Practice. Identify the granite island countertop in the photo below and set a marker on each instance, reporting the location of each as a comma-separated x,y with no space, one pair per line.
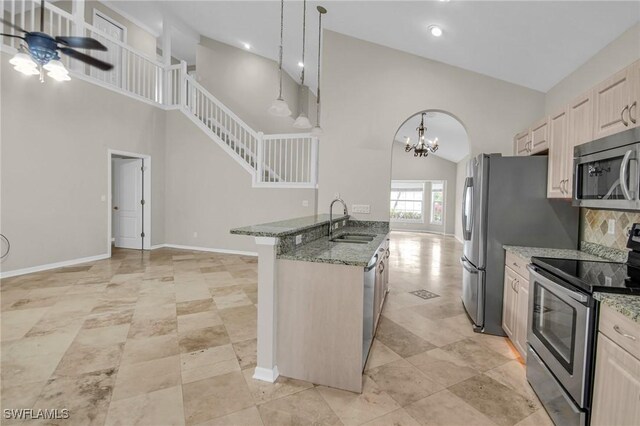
627,304
283,228
529,252
324,251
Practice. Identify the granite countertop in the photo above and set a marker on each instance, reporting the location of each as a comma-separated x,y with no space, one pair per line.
324,251
286,227
627,304
529,252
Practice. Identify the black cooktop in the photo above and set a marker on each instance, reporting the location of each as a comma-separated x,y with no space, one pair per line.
611,277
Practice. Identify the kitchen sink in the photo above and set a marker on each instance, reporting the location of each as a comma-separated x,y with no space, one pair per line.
353,238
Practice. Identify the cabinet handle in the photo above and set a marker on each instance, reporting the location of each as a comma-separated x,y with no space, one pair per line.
625,122
388,254
622,333
561,186
633,105
517,289
381,267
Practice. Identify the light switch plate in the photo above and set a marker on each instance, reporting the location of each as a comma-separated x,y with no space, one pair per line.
305,203
612,227
361,208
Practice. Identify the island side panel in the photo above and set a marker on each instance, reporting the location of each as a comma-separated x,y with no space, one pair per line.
319,314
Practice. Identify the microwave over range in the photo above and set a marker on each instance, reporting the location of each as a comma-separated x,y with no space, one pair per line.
606,172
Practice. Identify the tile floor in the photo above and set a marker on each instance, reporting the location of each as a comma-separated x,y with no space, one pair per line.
168,338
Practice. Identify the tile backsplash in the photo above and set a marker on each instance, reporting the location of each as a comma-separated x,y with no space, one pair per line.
594,227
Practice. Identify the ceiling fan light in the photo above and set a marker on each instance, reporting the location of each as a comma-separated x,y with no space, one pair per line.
26,70
59,76
302,122
55,66
279,108
317,131
22,60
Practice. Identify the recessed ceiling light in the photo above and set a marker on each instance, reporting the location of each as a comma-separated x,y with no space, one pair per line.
444,1
436,31
300,64
246,46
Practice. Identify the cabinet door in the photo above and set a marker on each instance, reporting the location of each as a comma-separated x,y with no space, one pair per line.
558,163
378,298
611,104
540,136
387,262
509,301
616,394
521,141
580,130
634,107
522,316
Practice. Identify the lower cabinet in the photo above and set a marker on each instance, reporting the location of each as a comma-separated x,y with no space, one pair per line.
616,393
515,307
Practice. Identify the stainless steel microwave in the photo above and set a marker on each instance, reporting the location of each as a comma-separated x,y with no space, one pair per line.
606,172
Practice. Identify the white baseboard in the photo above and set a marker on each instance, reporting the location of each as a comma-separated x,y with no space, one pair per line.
207,249
39,268
266,374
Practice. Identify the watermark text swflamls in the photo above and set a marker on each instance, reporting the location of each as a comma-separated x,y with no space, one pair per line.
36,413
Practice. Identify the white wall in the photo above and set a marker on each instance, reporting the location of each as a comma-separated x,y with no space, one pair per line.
612,58
407,167
208,193
247,84
368,91
55,138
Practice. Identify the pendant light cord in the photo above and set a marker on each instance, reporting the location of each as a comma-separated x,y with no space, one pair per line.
304,33
281,38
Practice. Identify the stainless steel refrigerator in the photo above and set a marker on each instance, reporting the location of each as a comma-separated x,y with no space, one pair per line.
505,201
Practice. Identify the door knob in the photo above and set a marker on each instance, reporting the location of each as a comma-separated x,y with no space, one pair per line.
115,208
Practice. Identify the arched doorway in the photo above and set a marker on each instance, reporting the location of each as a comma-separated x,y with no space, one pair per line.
423,189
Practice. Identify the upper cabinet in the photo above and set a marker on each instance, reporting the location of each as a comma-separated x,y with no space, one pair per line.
559,156
612,104
522,143
539,136
634,108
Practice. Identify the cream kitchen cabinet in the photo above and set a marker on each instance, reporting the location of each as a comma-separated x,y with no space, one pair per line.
522,143
579,131
634,107
515,302
560,159
539,136
616,394
614,104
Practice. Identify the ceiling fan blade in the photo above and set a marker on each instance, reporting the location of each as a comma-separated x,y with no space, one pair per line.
14,26
81,42
12,35
104,66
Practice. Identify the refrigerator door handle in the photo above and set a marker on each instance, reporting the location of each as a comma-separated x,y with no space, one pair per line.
469,269
468,183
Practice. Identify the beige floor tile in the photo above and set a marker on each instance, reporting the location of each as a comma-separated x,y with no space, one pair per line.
475,355
195,306
400,340
355,409
210,362
147,376
379,355
81,359
247,417
403,382
215,397
161,407
496,401
446,409
539,418
20,396
443,367
396,418
109,318
103,336
240,322
147,349
198,320
195,340
15,324
265,391
31,369
431,331
501,345
306,407
246,353
513,375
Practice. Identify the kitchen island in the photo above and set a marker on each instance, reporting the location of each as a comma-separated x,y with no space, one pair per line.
319,297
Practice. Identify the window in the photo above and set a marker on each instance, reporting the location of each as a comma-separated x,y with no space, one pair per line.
407,202
437,202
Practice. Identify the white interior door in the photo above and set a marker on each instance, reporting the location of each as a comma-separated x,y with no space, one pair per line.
114,52
127,205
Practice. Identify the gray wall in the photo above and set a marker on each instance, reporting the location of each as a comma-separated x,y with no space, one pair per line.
55,138
612,58
368,92
406,167
247,84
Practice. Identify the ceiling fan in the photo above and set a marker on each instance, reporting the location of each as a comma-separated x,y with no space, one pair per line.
43,51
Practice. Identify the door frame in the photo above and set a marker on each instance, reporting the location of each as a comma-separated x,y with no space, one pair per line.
146,188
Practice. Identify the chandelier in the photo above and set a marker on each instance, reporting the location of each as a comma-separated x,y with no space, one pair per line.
423,147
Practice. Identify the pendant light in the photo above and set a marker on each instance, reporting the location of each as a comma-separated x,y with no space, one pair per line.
317,131
279,107
302,122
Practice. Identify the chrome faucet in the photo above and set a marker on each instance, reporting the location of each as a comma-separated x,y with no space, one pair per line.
331,214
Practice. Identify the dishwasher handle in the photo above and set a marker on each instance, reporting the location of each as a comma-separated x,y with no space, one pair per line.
372,263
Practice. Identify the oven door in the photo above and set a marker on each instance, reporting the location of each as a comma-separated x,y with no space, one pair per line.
559,326
608,179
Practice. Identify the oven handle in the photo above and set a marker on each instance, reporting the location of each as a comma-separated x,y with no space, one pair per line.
582,298
623,175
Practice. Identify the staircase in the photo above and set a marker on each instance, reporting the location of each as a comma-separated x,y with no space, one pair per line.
274,161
